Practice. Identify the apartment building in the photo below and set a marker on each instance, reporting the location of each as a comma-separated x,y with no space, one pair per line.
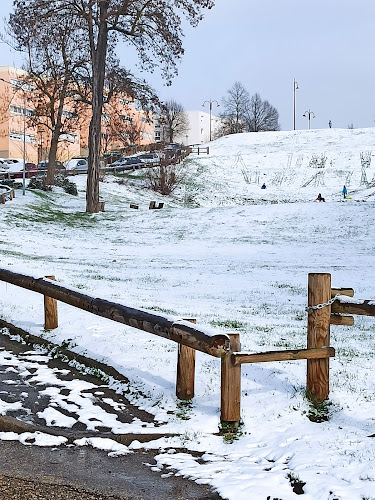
200,124
123,122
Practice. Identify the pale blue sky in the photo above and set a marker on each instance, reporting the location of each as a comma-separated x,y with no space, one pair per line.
327,45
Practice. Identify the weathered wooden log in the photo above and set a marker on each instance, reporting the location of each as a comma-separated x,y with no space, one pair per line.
231,383
361,307
50,311
290,354
337,319
179,331
318,334
185,371
349,292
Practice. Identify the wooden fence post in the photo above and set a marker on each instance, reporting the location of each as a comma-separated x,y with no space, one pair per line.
50,311
318,334
185,370
231,383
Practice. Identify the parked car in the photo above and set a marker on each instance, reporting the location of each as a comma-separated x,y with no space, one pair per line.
43,165
14,170
128,163
150,158
76,165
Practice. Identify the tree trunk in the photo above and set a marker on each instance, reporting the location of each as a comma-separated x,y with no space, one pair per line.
50,179
98,57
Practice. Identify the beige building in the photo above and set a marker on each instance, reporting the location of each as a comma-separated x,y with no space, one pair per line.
17,136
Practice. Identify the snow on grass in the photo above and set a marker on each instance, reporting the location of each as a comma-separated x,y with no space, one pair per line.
236,258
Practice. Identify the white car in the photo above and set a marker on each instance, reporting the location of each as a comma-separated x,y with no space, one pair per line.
11,165
77,165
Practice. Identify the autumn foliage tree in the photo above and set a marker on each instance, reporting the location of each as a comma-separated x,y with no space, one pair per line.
153,28
51,63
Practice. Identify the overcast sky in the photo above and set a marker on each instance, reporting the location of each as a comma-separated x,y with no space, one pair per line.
326,45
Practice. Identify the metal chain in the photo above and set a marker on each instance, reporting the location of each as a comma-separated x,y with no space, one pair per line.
320,306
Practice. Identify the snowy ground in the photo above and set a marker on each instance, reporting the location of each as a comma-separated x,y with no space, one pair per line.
236,258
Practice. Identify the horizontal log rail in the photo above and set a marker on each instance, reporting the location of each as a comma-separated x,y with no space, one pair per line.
352,306
349,292
290,354
179,331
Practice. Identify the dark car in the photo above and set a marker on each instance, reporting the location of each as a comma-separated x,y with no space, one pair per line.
129,163
43,165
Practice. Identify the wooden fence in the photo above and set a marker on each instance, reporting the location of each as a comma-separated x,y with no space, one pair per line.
8,193
200,150
326,306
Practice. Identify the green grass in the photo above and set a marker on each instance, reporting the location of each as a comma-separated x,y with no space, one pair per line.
46,213
228,324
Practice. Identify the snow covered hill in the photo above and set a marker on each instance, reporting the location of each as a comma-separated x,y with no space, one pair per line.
294,165
236,258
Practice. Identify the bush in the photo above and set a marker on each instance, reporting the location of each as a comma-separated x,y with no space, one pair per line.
69,187
165,179
38,183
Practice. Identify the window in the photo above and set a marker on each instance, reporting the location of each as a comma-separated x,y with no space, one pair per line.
69,114
126,118
69,138
126,101
19,84
18,136
18,110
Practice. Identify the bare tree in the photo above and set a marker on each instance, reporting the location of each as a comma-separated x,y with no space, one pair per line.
122,129
51,62
235,104
261,116
166,178
153,28
173,119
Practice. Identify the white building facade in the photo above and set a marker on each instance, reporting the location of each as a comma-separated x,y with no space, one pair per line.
199,129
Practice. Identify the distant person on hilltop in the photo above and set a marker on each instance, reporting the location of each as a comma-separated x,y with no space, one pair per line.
263,186
330,124
320,198
344,191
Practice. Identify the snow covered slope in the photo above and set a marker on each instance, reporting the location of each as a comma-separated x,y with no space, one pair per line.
294,165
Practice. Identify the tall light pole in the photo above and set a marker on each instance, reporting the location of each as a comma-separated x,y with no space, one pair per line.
309,114
217,105
295,87
24,134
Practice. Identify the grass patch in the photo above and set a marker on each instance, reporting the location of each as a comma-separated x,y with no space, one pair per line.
46,213
320,411
228,324
231,431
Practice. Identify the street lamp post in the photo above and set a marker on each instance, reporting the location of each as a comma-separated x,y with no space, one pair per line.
309,114
295,87
24,135
211,101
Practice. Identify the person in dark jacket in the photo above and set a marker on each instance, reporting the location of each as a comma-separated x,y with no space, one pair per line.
320,198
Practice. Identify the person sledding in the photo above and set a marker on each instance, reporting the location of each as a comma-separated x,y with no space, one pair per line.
320,198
